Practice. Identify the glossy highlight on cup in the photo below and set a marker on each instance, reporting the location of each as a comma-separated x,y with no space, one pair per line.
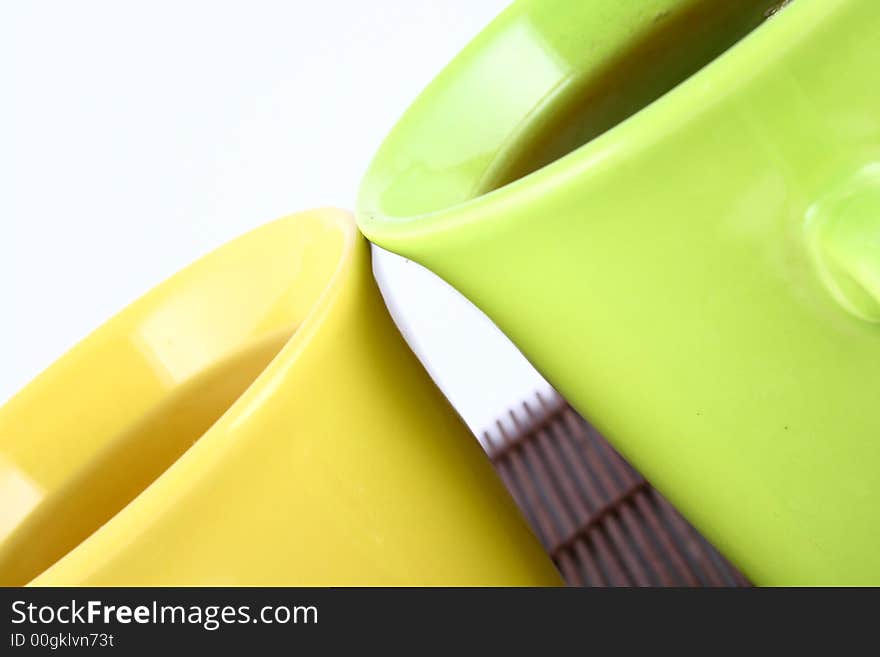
624,188
257,419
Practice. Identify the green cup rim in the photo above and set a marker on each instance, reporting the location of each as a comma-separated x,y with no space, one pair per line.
405,196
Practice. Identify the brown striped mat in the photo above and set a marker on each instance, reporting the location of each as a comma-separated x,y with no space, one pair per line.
602,523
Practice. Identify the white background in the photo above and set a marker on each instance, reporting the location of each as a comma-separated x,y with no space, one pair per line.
135,137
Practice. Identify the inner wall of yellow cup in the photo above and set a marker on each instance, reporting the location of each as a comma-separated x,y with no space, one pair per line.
662,57
133,460
100,425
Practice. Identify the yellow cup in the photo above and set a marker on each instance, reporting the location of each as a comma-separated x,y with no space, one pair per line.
255,420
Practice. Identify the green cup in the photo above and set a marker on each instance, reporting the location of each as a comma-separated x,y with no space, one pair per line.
673,208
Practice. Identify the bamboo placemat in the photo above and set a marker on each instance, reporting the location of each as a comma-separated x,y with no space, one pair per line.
600,520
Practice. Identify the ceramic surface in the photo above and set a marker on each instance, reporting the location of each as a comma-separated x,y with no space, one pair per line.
672,208
255,420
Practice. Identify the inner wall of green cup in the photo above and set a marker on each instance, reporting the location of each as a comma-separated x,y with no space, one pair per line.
669,53
545,78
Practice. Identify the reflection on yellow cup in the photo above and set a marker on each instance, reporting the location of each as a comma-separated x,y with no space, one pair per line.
256,419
